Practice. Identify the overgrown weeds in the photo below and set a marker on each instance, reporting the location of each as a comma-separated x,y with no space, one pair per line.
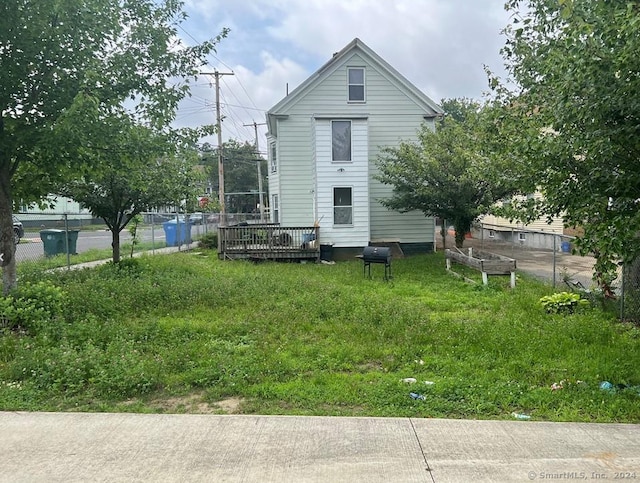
314,339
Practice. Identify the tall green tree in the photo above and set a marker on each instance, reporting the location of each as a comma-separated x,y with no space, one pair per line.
448,173
574,118
56,53
240,173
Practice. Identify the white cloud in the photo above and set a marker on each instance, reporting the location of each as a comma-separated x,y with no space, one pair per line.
440,45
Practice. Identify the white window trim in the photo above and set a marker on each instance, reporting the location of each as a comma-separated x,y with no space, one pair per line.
275,208
273,155
364,85
333,207
343,161
522,236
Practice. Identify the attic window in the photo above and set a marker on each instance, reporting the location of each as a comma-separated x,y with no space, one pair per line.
356,84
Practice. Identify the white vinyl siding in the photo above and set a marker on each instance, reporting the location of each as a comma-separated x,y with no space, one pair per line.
294,180
332,176
306,170
539,224
388,225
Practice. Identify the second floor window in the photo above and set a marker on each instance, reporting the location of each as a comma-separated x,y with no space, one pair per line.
340,140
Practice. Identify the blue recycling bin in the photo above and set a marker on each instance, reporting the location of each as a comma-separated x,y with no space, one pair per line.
177,232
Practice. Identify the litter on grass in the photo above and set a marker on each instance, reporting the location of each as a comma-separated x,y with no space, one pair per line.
521,416
606,386
415,395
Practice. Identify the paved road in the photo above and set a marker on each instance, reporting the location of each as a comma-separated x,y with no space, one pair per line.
95,239
81,447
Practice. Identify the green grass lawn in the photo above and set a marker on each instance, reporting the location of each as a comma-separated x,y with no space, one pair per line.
190,333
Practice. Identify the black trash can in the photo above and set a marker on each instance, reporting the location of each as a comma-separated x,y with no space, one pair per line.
326,252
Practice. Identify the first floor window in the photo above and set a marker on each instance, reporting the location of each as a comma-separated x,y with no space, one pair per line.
342,206
275,209
274,158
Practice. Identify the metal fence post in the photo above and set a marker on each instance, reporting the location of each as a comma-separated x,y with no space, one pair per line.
513,243
66,239
624,277
153,233
555,249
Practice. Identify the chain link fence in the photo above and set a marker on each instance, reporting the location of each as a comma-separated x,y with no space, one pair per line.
75,238
630,298
546,255
552,257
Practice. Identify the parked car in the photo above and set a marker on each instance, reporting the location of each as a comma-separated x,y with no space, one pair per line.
194,218
18,230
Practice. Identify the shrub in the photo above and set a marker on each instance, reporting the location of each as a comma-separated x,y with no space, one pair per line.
126,267
209,241
32,305
562,302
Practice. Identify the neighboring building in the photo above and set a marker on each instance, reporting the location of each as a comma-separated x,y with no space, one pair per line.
537,234
323,140
54,214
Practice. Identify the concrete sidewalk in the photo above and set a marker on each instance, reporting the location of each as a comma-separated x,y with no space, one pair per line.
156,251
70,447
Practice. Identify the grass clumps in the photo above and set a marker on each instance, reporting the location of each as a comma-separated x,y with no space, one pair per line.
313,339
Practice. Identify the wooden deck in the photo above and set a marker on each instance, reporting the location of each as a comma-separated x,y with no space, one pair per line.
268,242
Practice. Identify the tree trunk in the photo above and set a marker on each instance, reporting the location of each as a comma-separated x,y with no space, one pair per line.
443,232
115,245
459,238
7,247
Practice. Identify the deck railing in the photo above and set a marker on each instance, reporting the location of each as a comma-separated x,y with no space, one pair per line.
268,241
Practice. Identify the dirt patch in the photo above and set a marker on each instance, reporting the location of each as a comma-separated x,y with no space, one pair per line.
191,403
230,405
195,403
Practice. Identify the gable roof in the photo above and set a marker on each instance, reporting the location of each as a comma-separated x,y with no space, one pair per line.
356,45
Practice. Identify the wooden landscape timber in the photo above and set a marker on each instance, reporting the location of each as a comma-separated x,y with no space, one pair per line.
485,262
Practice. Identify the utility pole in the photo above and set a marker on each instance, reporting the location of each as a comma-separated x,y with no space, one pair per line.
223,210
258,160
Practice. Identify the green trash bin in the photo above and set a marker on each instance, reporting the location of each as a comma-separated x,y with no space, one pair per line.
72,237
53,242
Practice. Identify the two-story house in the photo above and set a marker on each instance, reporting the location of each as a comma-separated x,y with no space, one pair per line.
324,138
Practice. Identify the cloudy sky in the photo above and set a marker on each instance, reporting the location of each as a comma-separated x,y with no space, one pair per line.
439,45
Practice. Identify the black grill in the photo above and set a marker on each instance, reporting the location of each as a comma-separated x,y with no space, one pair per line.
377,255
